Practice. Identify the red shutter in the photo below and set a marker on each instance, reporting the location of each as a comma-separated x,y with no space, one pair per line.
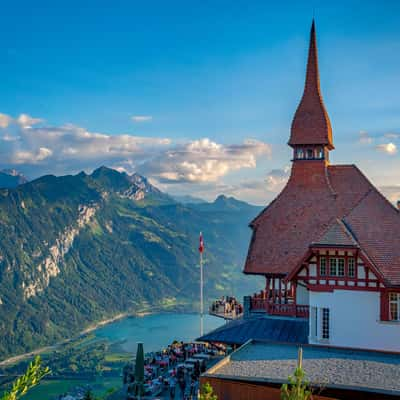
384,306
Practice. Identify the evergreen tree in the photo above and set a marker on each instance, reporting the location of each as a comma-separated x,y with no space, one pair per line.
298,387
207,392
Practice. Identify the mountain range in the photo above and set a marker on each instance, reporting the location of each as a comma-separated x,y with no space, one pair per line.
10,178
78,249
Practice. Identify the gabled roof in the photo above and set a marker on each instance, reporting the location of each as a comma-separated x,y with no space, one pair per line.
337,234
307,211
311,123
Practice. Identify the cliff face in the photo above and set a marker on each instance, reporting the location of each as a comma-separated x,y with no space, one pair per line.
76,249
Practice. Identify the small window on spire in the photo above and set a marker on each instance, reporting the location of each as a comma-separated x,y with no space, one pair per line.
299,154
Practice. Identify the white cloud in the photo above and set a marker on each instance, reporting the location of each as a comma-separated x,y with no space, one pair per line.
5,120
392,135
257,191
37,149
365,138
203,160
388,148
27,121
141,118
31,157
276,178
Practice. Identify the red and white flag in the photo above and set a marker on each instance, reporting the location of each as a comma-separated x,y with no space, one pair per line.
201,244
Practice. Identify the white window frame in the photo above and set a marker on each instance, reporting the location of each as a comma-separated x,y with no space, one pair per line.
394,299
326,266
353,275
319,324
325,324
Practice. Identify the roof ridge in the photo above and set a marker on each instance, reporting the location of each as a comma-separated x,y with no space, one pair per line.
372,188
328,181
348,231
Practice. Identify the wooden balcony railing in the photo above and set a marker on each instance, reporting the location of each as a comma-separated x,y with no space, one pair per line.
258,304
290,310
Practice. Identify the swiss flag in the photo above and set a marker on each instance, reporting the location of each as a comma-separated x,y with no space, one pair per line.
201,245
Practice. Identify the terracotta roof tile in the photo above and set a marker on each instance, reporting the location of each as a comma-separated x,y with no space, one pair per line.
376,224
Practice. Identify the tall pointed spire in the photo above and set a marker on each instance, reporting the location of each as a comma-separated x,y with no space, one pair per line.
311,125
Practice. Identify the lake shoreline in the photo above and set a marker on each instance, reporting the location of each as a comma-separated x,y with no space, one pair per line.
93,327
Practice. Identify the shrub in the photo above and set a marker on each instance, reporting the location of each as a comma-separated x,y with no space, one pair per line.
33,375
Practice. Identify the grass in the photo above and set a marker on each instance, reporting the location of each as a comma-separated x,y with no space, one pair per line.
118,357
50,389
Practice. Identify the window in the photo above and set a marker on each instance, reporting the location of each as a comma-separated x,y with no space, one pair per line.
299,153
325,323
333,266
320,153
320,324
336,266
314,322
341,266
322,266
394,306
351,267
310,153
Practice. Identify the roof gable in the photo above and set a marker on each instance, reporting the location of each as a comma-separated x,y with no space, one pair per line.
337,234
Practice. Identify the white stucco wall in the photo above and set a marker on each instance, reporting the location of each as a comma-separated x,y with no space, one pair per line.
302,295
355,320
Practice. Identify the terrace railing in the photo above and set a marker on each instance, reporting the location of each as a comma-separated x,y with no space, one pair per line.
291,310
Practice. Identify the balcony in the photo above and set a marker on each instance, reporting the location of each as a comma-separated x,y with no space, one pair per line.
258,304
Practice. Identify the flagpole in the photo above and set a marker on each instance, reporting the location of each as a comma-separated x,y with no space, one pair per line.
201,294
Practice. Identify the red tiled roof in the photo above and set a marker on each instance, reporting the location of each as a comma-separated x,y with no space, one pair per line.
311,123
376,224
323,203
315,197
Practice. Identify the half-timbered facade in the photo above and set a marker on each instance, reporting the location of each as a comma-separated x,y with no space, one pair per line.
329,244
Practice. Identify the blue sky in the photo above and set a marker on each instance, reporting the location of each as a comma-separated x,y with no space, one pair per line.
214,83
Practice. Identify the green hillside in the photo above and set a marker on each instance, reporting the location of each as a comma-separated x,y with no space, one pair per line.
78,249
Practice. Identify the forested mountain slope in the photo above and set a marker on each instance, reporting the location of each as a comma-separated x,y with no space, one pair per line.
77,249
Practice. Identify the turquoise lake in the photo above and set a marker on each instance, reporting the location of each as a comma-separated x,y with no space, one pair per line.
156,331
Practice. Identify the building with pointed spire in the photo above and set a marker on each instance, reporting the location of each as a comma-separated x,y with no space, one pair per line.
328,246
